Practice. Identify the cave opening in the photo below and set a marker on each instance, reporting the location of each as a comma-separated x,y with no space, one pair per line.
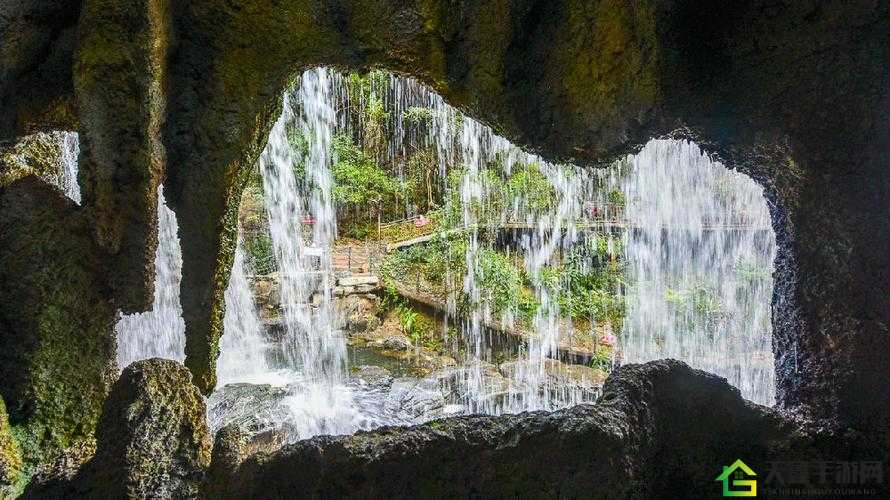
398,261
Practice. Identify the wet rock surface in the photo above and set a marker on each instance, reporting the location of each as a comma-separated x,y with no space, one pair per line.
57,316
254,408
651,434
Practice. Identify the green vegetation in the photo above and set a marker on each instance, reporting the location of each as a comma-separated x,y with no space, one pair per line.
602,358
698,300
616,197
10,456
361,184
422,329
750,272
586,285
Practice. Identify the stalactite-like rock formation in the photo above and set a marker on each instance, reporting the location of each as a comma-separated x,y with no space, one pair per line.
793,93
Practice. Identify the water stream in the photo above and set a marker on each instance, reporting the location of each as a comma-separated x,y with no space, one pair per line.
302,224
160,332
70,147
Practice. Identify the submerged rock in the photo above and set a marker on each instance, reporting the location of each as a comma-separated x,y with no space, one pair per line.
413,399
254,408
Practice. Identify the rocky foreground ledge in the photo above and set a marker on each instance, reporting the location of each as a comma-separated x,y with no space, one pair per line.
659,429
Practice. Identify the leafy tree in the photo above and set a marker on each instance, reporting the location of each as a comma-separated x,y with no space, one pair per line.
358,180
530,191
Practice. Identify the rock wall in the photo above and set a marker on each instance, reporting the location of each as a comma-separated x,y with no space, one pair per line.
36,47
56,319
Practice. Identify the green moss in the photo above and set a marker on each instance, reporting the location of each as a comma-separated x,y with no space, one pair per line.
607,59
36,154
10,455
57,349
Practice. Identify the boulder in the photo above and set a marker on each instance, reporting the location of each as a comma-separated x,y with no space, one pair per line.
152,439
395,343
229,450
231,446
359,312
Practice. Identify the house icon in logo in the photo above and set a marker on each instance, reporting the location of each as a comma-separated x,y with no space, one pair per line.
738,476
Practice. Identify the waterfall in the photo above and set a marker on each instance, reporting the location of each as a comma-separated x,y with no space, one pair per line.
701,261
698,247
459,141
159,332
69,146
302,223
242,356
695,239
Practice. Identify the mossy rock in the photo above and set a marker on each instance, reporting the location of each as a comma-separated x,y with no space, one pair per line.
10,456
37,154
56,320
152,440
